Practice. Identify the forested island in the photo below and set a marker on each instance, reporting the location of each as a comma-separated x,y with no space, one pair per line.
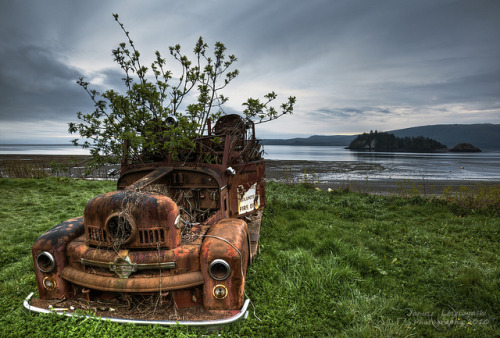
382,141
485,136
465,148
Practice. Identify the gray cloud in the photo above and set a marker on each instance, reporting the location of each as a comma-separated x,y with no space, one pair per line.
349,113
351,64
34,84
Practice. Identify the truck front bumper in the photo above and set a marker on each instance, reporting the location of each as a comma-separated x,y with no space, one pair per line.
209,324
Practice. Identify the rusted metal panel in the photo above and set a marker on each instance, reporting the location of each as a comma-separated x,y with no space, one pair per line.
149,178
185,257
50,284
131,218
136,284
227,240
248,192
188,297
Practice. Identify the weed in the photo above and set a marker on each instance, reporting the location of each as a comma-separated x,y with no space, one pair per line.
21,169
474,199
308,178
40,166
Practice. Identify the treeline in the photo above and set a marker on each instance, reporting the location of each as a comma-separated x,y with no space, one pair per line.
381,141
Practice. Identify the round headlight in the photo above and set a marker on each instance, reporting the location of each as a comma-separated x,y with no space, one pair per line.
45,262
219,269
120,229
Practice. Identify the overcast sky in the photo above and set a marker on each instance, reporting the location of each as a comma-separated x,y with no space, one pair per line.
354,66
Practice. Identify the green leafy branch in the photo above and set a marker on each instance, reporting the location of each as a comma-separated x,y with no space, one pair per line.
150,120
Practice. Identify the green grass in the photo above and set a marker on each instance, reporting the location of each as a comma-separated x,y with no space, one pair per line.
330,263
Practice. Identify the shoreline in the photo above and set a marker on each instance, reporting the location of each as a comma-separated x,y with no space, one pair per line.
291,171
302,171
405,187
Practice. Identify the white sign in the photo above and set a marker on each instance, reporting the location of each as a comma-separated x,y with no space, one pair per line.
248,201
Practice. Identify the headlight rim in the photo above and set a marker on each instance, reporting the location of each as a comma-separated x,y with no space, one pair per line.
130,221
51,259
217,276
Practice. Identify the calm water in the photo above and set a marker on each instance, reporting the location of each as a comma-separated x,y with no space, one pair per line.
441,166
436,166
15,149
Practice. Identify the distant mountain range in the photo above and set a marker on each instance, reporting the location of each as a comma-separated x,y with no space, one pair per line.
484,136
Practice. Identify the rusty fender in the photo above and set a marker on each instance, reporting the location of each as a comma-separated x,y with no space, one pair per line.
226,240
52,244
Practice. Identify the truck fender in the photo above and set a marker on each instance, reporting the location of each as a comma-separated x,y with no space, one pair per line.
49,258
226,245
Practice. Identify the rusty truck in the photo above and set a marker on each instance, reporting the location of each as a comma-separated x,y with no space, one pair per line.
179,234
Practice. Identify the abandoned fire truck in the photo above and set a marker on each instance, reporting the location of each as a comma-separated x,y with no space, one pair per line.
183,232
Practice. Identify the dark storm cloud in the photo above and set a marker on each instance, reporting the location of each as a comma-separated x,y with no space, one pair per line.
36,85
37,81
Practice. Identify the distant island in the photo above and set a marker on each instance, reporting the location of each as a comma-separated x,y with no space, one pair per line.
485,136
465,148
382,141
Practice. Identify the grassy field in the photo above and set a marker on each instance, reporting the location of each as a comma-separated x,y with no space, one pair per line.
330,263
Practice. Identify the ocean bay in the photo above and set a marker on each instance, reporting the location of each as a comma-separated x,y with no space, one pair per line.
332,163
484,166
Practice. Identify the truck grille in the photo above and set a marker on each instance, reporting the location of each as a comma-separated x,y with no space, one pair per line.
152,236
146,238
97,235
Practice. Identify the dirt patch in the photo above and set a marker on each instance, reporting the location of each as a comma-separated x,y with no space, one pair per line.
148,309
